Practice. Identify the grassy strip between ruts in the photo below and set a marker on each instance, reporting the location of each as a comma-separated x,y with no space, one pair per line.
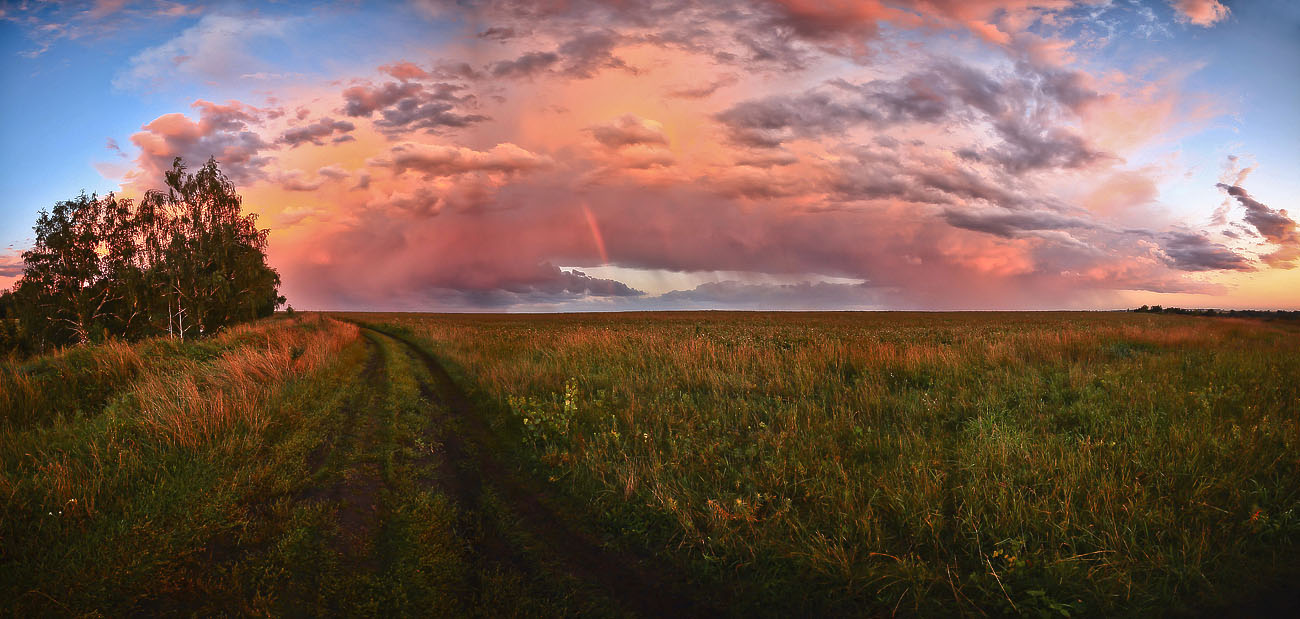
1096,464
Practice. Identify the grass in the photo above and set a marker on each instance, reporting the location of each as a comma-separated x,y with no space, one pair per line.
1094,464
849,464
102,503
290,467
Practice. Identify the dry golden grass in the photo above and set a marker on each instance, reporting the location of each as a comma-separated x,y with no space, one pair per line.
67,464
205,399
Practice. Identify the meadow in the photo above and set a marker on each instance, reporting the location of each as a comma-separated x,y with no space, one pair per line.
1039,463
860,464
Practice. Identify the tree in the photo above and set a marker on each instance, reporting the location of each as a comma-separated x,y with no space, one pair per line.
63,295
185,262
213,265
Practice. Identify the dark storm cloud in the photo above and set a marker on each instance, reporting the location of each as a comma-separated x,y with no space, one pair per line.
1029,146
524,66
411,105
577,282
1011,224
316,133
1193,252
364,100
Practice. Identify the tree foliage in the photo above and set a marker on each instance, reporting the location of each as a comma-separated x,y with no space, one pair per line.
183,261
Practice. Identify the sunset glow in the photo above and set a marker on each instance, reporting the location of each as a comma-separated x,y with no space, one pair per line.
781,154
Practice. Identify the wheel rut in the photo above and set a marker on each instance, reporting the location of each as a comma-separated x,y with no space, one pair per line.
639,583
355,488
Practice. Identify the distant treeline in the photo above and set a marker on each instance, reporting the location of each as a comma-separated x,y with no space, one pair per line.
184,262
1273,314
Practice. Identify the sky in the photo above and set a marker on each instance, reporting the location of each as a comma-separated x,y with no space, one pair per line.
588,155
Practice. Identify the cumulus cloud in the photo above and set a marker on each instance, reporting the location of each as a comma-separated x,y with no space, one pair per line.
296,180
412,105
1203,13
224,132
404,70
437,160
628,130
316,133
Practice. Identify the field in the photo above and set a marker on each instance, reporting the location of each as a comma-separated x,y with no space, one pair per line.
1049,464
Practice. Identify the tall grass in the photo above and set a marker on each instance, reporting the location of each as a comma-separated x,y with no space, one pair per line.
76,381
202,401
1096,463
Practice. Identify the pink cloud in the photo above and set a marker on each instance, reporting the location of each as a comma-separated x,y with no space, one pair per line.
225,132
594,133
1203,13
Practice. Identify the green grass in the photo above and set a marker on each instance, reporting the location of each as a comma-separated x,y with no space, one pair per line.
283,469
1095,464
850,464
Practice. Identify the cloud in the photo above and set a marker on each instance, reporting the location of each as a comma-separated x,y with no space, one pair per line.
577,282
565,134
365,100
216,48
295,180
1276,226
1193,252
11,265
1022,109
404,70
1203,13
315,133
628,130
581,57
498,33
701,92
525,65
112,146
224,132
436,160
333,172
1012,224
411,105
